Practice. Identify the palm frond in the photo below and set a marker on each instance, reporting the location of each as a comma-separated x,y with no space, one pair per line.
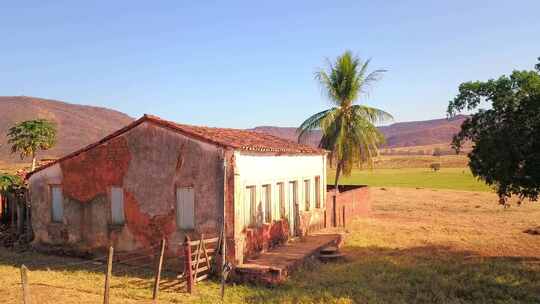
310,124
370,79
374,115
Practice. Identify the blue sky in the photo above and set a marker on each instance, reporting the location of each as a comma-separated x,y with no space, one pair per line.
249,63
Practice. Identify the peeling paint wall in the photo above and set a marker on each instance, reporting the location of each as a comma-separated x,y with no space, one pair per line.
149,162
256,169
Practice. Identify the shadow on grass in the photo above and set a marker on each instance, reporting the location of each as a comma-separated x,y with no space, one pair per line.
428,274
135,276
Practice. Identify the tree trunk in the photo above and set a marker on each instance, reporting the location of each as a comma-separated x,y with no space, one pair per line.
33,161
338,173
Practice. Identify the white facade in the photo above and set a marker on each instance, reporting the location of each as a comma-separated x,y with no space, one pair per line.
259,171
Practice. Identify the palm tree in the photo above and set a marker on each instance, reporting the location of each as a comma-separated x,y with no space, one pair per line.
30,136
348,129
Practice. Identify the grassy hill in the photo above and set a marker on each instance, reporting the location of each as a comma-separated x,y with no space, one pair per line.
78,125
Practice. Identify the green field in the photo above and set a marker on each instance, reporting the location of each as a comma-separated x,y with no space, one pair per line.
446,178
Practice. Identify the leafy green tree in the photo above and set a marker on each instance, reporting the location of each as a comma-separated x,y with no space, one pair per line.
9,182
506,136
348,129
29,136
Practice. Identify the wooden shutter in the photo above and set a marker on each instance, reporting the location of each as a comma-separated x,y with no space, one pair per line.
185,208
282,210
117,205
57,203
250,206
307,194
266,198
317,192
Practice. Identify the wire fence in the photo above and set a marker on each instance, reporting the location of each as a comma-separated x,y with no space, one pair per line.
180,273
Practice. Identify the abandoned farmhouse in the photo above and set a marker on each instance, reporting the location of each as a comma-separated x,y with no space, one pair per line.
158,179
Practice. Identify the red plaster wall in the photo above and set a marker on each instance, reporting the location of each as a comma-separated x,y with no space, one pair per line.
148,162
266,236
93,172
147,231
355,200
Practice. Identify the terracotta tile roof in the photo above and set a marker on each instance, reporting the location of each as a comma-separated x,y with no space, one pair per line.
233,138
240,139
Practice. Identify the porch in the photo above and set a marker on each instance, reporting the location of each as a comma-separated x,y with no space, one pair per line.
273,266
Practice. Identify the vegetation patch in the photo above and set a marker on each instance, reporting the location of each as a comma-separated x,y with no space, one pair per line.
445,178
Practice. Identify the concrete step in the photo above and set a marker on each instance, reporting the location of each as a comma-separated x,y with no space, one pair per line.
329,250
331,256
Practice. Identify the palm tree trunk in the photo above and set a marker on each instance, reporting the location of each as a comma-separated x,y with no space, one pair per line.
338,173
33,161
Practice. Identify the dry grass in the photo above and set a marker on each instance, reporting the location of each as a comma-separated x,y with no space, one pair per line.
420,246
461,220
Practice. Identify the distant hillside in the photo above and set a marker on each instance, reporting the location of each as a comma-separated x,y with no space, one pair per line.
78,125
402,134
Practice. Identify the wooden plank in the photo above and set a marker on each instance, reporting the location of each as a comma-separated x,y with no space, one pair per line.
195,243
209,251
204,260
207,241
201,269
206,256
203,277
198,258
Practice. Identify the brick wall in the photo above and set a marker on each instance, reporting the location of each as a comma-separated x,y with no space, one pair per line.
351,202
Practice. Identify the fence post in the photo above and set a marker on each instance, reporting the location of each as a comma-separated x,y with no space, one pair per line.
108,276
344,222
24,282
334,211
188,267
158,272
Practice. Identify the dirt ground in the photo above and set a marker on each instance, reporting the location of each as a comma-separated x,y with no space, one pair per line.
461,220
419,246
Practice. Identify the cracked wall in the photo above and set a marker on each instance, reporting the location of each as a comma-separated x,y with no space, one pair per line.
149,162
